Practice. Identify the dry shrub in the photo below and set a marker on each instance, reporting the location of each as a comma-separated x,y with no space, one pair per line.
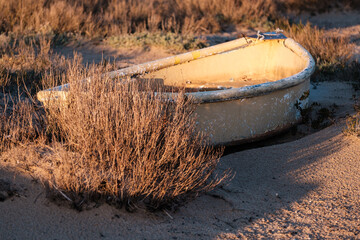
41,16
63,17
120,140
353,125
258,11
21,122
185,16
21,16
126,141
24,62
22,56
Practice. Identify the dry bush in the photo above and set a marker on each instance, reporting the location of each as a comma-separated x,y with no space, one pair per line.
28,16
21,16
185,16
124,140
21,122
24,62
353,125
63,17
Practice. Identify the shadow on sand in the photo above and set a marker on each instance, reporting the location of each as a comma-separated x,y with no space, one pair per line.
267,180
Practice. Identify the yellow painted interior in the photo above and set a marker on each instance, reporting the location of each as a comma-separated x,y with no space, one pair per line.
249,65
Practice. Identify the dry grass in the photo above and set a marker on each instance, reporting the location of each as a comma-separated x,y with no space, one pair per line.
99,18
353,125
21,123
112,17
24,63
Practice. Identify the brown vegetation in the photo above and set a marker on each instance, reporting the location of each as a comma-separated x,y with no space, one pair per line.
128,141
99,18
24,62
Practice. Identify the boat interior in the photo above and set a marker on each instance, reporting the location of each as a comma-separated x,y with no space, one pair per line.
250,64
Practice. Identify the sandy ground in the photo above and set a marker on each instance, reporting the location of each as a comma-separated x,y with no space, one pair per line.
309,188
303,189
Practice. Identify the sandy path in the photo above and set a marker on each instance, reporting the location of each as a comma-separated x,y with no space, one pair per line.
309,188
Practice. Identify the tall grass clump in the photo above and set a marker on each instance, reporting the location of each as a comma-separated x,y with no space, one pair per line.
127,141
25,61
20,123
23,64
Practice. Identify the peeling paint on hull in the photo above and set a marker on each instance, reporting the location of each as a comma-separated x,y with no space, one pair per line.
263,82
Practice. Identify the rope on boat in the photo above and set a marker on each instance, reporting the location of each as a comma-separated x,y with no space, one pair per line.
269,35
260,36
